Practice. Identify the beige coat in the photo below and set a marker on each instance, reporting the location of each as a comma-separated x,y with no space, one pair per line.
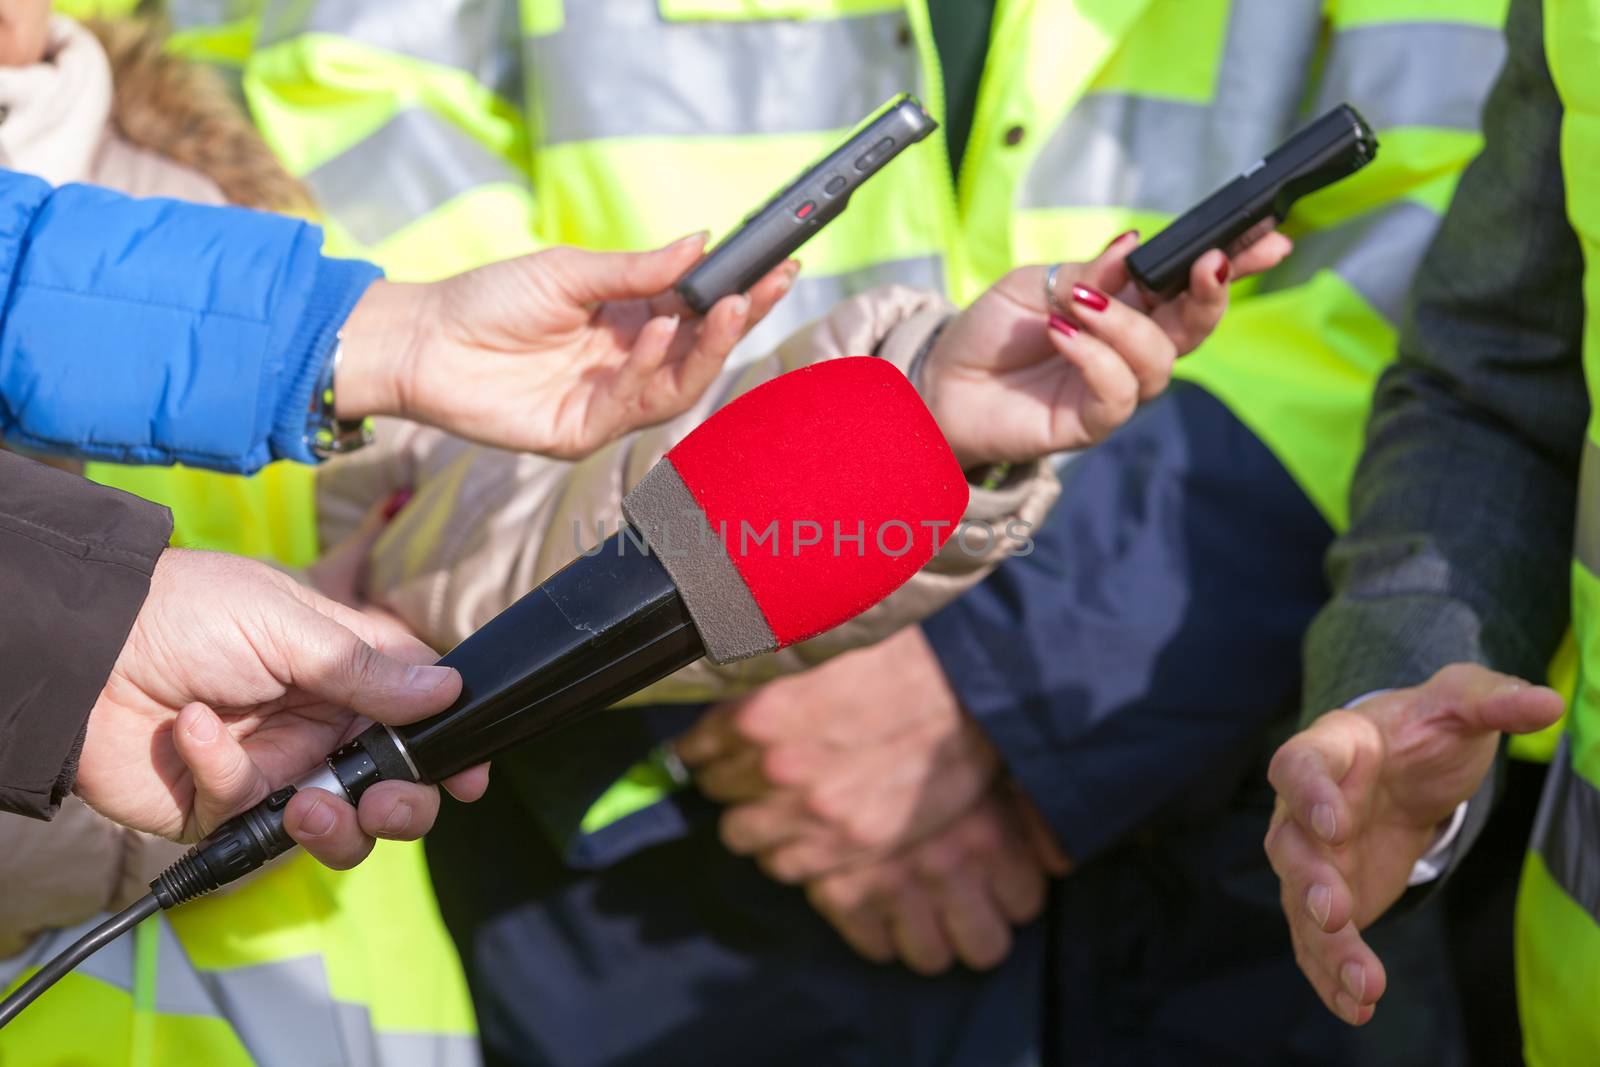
485,526
164,129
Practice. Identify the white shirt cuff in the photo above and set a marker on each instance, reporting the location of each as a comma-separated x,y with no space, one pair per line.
1436,860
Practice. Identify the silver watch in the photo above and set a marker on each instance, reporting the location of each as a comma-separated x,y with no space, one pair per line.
327,435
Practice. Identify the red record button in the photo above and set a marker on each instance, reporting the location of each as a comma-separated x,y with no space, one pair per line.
804,210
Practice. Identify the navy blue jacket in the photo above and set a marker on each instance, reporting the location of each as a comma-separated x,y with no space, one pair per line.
154,331
1138,652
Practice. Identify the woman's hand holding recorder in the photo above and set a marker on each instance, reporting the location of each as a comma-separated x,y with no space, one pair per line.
1021,373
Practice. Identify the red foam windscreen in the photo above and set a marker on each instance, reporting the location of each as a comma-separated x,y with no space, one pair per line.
830,486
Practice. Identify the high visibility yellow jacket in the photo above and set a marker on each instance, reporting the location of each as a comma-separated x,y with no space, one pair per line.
1558,908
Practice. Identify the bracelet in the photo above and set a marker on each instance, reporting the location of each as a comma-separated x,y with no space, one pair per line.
994,476
327,435
914,368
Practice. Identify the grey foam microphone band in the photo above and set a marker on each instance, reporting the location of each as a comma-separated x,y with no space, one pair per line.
725,612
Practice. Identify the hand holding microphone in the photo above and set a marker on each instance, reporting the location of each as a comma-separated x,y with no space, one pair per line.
783,515
234,679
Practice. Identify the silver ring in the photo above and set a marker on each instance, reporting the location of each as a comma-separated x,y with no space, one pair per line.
1051,300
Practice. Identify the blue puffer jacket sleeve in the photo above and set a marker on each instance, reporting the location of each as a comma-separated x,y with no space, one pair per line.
154,331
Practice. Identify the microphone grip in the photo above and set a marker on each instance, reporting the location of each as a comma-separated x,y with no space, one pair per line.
249,840
602,627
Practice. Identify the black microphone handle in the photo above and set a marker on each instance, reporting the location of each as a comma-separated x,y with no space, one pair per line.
603,627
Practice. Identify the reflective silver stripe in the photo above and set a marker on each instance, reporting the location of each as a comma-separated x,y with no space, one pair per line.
282,1012
1150,154
1413,73
813,296
481,37
177,990
1376,254
618,69
397,1049
1567,829
413,164
202,14
1586,540
1139,153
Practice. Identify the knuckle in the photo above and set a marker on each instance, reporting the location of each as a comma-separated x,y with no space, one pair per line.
1030,901
734,834
777,764
832,896
982,836
830,807
784,866
863,831
934,863
991,952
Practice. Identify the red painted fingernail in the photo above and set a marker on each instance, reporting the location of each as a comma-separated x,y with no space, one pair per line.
1122,236
1062,326
1093,299
397,500
1223,272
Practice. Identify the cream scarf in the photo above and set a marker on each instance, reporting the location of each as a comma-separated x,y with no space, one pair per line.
56,111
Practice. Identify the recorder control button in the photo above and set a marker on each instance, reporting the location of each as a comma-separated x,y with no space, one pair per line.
875,154
806,210
835,185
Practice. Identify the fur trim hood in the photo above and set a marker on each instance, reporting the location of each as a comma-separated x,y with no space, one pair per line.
183,111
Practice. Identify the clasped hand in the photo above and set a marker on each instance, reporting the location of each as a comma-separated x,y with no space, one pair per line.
864,780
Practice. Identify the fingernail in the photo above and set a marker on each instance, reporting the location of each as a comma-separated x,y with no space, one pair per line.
399,818
1124,235
1319,901
203,728
1347,1008
1354,978
1223,272
1507,688
427,679
794,269
397,500
1093,299
317,819
1062,326
1323,822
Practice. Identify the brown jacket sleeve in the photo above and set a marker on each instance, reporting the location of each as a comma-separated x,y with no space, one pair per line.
75,564
67,871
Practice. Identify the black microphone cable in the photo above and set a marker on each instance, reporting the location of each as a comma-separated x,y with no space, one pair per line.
587,637
80,950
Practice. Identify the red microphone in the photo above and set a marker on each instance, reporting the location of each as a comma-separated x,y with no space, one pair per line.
791,510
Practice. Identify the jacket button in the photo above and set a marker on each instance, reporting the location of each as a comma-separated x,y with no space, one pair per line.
1014,136
903,38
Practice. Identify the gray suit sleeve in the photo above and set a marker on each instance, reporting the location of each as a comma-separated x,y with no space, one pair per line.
1462,507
